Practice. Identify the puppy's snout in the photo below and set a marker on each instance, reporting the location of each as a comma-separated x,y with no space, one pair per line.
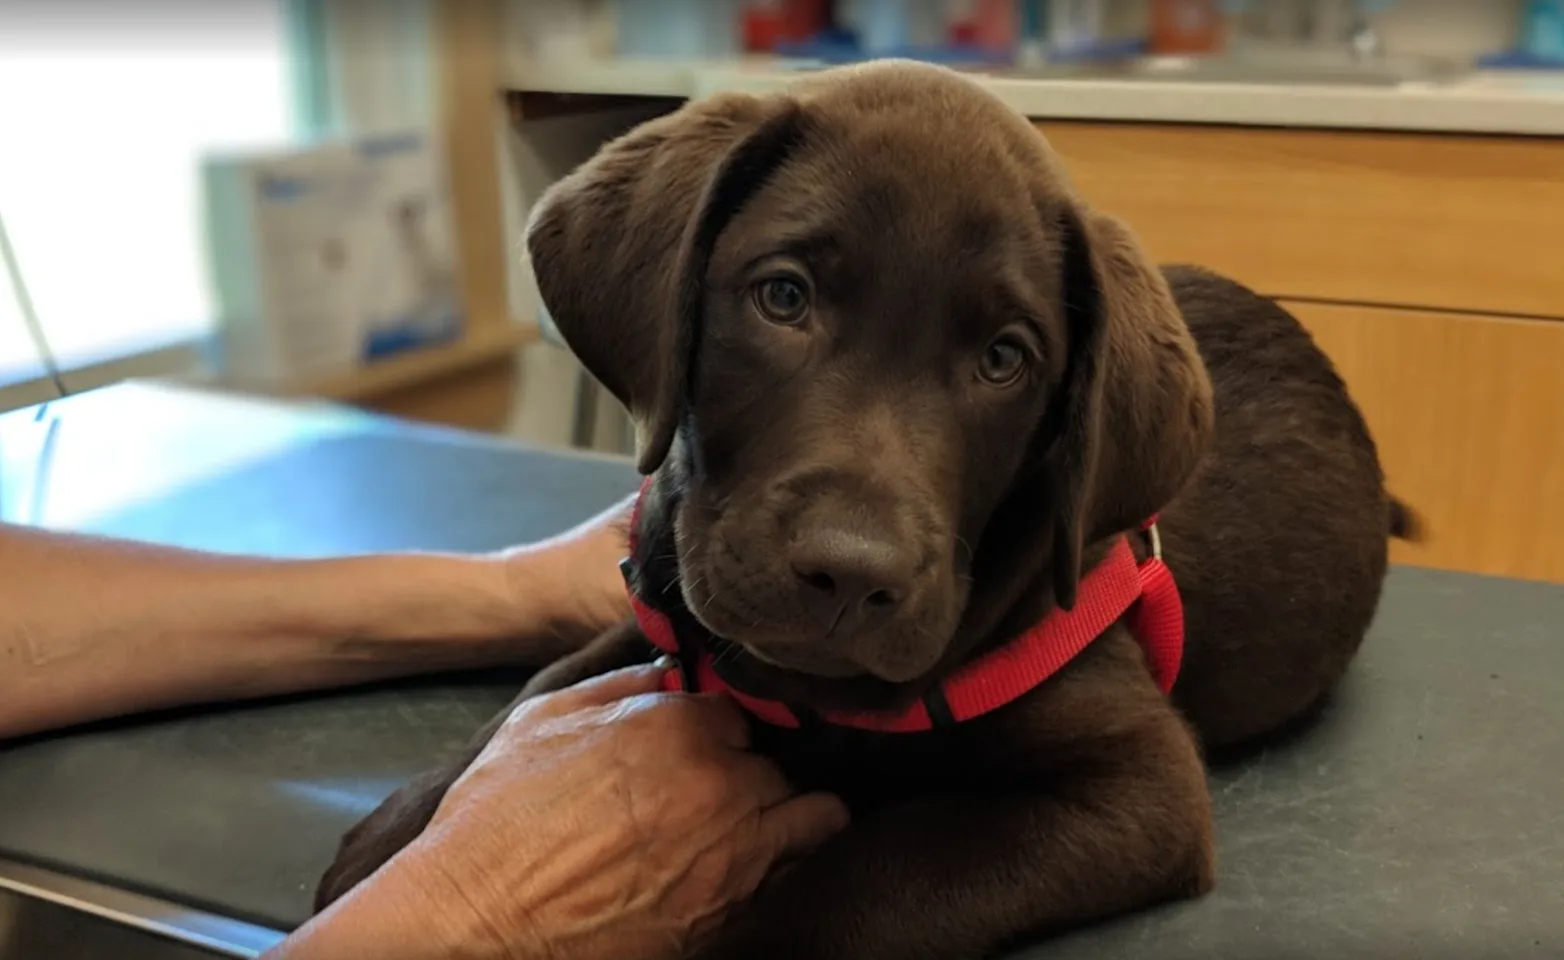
847,580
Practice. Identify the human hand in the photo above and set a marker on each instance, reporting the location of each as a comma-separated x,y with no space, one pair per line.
606,820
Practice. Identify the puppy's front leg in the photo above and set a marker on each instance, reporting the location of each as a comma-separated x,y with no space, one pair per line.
960,877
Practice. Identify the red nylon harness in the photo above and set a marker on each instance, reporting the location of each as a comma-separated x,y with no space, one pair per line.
1143,593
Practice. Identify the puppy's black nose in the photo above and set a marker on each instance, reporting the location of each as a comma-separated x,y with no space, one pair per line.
847,581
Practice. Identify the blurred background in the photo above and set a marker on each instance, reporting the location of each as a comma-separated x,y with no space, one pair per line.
322,199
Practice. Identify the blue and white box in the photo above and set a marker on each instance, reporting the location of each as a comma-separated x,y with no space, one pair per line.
328,258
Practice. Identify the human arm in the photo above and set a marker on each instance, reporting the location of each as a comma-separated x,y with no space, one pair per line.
93,628
605,821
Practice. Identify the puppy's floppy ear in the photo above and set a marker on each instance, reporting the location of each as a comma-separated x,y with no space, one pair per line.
620,247
1137,413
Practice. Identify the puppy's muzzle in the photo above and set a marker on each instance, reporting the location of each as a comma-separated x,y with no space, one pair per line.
849,581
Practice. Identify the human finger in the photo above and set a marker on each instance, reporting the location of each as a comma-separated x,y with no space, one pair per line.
603,689
796,826
761,779
720,716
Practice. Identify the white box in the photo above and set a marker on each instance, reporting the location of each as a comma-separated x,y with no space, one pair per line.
331,257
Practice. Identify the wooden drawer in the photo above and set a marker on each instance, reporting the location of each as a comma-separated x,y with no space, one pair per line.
1468,413
1468,223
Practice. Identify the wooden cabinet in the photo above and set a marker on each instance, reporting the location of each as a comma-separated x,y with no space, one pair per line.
1465,223
1426,266
1468,413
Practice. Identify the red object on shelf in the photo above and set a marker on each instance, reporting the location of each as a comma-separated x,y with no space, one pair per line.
994,25
1186,26
801,20
762,29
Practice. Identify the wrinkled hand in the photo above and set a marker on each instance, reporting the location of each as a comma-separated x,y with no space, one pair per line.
606,820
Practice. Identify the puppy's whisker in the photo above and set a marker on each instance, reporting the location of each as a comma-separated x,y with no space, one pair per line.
693,586
971,556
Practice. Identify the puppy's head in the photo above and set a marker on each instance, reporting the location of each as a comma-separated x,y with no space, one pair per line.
905,374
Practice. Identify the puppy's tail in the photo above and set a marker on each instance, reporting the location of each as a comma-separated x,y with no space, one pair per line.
1405,523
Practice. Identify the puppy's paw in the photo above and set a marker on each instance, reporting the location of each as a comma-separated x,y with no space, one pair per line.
394,824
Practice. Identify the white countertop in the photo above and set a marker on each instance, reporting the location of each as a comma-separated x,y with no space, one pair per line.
1486,102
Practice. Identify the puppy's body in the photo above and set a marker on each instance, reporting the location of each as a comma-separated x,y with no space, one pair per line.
1279,541
983,498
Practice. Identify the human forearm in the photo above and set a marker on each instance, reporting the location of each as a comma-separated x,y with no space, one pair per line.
92,628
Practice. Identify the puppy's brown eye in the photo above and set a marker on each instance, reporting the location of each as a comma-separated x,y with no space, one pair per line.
1003,361
782,300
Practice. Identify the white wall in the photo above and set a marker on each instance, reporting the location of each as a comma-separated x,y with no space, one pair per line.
381,64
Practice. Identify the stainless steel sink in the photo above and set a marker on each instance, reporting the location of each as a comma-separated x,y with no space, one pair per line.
1272,67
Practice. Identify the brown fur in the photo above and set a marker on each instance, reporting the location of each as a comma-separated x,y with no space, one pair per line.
858,512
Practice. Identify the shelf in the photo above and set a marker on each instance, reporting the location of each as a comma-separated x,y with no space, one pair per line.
485,343
652,78
1485,102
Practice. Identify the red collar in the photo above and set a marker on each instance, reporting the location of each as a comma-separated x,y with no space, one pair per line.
1118,587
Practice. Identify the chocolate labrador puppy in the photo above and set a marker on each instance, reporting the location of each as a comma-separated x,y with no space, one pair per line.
900,393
